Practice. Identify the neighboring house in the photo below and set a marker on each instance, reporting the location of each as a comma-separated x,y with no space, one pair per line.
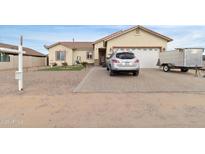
144,42
70,52
31,58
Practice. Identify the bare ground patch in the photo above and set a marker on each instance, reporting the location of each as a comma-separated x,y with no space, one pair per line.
105,110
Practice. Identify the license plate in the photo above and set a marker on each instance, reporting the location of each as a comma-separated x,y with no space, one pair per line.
126,63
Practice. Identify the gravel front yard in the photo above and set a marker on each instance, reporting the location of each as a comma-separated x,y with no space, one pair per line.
41,82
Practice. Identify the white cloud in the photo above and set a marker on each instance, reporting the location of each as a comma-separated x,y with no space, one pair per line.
183,36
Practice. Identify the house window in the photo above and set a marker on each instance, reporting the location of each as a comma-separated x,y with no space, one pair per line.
60,55
89,55
4,57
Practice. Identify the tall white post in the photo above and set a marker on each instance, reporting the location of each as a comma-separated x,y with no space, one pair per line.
20,65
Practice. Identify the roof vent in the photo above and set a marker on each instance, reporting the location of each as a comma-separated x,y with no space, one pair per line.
137,31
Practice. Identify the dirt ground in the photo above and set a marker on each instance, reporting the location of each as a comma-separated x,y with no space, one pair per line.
48,101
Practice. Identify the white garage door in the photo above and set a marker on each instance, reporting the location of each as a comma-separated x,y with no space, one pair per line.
148,57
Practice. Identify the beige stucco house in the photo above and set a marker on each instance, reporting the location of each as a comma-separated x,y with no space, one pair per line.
145,43
70,52
31,58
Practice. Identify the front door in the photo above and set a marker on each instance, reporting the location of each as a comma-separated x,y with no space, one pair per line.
102,57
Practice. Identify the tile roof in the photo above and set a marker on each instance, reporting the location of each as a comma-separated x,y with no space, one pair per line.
74,45
29,51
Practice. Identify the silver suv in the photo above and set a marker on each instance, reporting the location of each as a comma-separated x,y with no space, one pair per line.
123,62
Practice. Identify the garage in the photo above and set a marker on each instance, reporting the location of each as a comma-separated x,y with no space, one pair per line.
148,57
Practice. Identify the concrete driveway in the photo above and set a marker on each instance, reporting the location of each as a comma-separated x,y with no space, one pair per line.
149,80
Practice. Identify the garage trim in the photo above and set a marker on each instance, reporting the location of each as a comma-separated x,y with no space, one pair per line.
138,47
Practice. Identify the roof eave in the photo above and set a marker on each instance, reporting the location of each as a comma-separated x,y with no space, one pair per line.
133,28
52,45
156,33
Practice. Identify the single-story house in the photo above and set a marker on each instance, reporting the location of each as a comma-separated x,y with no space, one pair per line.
145,43
31,58
70,52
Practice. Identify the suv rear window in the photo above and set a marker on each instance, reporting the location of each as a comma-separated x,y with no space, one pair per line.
125,55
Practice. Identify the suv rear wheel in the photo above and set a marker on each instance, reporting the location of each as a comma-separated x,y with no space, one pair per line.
136,73
111,72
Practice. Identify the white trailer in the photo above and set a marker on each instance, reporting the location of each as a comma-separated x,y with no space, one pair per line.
181,58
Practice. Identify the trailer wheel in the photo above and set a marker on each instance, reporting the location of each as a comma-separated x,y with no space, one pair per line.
166,68
184,70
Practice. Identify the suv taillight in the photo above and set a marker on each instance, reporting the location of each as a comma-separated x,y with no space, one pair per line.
115,61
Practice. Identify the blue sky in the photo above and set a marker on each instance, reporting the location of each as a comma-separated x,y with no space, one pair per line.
37,36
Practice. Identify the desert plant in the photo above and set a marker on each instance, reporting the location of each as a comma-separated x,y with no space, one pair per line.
84,64
64,64
53,64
